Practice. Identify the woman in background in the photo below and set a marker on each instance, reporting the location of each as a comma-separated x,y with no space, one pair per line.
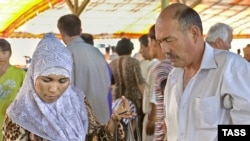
127,77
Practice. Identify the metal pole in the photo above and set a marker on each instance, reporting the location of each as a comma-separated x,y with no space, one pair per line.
164,3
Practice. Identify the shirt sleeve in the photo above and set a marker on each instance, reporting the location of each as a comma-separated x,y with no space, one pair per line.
237,86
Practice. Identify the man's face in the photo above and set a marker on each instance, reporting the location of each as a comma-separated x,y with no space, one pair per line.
224,45
144,51
227,43
153,45
175,43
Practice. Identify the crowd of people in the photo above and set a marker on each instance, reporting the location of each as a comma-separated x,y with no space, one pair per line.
181,88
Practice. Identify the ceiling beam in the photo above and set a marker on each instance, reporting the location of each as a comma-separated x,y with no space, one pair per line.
27,15
195,3
164,3
105,36
75,8
82,7
70,5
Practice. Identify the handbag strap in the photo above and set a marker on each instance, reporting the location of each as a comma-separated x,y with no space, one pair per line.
121,75
137,129
116,132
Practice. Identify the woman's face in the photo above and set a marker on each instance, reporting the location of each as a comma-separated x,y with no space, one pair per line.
50,88
4,56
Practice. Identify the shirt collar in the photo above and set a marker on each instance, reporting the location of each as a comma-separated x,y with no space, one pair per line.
208,59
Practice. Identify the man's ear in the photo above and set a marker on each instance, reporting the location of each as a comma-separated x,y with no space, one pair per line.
194,31
218,43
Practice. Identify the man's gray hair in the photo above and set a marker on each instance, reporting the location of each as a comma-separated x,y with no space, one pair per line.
219,30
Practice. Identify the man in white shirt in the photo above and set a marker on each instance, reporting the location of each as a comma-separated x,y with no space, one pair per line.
208,87
149,87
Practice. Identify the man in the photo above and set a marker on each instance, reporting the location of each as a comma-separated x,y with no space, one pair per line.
88,38
246,52
144,52
113,55
90,71
107,54
155,123
220,36
207,87
148,106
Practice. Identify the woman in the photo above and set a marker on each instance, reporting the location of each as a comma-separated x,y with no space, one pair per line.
11,79
47,106
128,80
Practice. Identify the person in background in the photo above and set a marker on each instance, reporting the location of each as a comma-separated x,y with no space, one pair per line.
220,36
145,57
113,55
148,89
137,56
238,51
88,38
90,72
52,108
156,125
246,52
27,61
127,77
107,54
11,79
202,77
144,48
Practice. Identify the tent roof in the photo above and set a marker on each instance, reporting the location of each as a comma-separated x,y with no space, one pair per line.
113,18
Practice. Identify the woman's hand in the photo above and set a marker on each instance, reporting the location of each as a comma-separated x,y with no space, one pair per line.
123,111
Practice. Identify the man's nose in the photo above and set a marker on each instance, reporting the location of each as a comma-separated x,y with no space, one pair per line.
165,49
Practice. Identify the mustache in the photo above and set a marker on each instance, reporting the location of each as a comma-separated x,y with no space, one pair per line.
171,55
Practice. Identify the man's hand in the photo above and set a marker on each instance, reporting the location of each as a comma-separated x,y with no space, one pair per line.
150,128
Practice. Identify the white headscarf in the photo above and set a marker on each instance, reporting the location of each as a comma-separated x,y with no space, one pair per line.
63,120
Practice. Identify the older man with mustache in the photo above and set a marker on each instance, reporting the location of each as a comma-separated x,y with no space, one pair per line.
208,87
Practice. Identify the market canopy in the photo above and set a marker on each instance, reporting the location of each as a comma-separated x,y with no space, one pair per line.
113,18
